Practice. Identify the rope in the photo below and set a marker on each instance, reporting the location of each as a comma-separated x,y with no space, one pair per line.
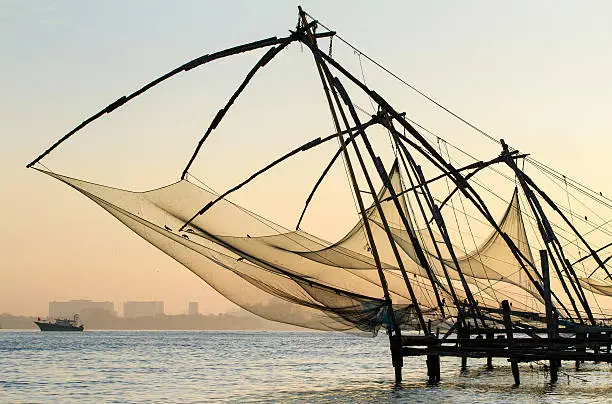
573,183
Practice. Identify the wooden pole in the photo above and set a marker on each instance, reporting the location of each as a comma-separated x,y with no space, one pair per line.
552,362
463,332
508,324
433,369
580,347
429,152
337,87
417,197
395,330
490,338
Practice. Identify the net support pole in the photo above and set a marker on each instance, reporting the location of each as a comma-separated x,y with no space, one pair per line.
445,236
395,335
267,57
510,338
550,240
325,171
550,326
309,36
336,87
429,152
546,235
415,185
386,181
394,197
192,64
302,148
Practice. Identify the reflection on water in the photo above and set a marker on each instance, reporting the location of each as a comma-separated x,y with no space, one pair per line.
187,366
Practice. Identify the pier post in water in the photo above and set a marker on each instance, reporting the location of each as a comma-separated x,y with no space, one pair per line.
508,323
397,358
463,333
550,318
433,369
490,337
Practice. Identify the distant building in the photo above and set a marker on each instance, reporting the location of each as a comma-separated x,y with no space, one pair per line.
193,309
143,309
72,307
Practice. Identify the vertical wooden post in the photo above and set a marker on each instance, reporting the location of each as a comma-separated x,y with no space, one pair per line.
433,369
596,347
556,332
580,344
463,332
508,324
490,338
433,361
395,340
550,326
397,357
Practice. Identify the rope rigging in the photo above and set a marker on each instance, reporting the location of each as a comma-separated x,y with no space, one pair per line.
420,268
596,196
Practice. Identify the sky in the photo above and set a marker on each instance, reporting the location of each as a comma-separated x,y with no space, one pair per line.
534,73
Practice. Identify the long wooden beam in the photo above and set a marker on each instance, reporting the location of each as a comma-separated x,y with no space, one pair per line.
385,179
326,170
306,146
429,152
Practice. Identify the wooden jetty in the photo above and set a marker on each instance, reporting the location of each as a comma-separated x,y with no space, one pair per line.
518,342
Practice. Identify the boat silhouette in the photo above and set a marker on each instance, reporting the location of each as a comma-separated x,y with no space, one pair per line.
60,324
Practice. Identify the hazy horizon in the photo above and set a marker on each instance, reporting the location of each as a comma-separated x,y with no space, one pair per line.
535,74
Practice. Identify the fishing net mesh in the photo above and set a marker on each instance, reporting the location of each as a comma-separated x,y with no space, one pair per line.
296,278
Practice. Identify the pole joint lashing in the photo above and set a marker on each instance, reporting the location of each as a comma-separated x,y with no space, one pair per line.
311,144
205,208
268,56
215,122
382,173
302,30
341,91
113,106
192,64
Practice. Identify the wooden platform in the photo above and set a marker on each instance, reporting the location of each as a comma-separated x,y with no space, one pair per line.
516,342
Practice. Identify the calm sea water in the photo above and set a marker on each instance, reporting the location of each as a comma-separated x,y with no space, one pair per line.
190,367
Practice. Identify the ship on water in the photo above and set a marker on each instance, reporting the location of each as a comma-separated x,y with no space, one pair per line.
60,324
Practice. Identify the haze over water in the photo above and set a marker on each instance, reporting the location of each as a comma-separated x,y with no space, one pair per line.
195,367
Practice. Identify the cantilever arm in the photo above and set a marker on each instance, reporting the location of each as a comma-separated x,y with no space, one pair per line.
182,68
590,255
304,147
434,179
496,160
326,170
217,119
272,52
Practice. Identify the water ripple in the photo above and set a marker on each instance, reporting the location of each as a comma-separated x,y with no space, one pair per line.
194,367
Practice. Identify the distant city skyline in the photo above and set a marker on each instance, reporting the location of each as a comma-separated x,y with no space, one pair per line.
132,308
